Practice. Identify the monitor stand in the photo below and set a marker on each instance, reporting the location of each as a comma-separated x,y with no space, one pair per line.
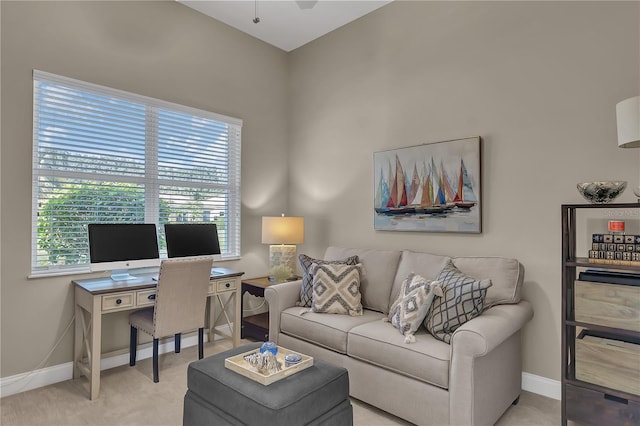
121,275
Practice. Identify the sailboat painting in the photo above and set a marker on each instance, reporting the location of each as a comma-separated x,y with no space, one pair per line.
433,187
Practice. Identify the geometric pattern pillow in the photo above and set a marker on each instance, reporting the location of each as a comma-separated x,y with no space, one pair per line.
412,305
306,290
336,289
463,300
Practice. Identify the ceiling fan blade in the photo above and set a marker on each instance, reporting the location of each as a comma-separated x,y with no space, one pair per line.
306,4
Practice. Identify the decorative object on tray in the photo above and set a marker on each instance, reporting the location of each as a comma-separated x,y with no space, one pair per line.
266,368
292,359
601,192
269,347
264,362
433,187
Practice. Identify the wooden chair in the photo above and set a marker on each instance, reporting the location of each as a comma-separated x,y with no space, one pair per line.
179,307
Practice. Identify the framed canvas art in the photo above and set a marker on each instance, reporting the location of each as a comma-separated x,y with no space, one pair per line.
433,187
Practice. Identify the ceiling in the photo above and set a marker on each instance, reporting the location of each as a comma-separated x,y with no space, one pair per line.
286,24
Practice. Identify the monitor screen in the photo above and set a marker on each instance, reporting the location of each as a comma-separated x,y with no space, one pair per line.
192,239
118,247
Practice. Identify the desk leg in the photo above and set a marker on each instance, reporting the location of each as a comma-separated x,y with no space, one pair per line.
209,318
78,341
96,348
237,323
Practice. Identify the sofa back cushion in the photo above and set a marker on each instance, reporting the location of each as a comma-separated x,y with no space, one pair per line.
424,264
379,271
506,275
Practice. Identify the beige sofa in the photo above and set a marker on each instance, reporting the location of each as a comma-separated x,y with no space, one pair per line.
471,381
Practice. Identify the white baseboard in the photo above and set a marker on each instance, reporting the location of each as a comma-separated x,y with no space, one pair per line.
59,373
542,386
35,379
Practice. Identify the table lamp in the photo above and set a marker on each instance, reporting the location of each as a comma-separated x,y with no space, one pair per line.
282,233
628,117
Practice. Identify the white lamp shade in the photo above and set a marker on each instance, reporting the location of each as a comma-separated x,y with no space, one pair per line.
628,116
282,230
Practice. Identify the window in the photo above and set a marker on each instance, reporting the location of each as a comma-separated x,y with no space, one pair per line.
104,155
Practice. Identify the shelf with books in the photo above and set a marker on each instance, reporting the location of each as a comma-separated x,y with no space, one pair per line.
600,323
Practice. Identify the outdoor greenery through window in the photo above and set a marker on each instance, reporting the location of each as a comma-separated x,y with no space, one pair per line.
102,155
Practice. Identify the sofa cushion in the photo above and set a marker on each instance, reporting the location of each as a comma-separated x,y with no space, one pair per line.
463,300
329,331
506,275
425,264
336,289
379,270
306,290
380,344
412,305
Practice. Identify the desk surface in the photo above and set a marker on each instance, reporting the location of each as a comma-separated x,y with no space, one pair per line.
107,285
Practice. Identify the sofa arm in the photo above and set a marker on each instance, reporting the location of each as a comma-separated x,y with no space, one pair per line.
280,297
482,334
485,373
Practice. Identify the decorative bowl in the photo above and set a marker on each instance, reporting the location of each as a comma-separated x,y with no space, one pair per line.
601,192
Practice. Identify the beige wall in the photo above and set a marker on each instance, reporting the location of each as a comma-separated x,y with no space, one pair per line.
159,49
538,81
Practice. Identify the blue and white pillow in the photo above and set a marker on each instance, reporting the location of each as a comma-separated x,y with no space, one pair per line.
463,300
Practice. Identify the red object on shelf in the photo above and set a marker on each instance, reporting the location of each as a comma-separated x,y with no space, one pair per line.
616,226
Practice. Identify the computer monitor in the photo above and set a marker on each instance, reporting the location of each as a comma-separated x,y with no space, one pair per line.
192,239
118,247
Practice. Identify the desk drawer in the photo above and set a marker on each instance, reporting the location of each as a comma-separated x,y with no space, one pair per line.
225,285
145,297
118,301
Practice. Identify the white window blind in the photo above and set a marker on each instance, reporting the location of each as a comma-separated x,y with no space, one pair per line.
102,155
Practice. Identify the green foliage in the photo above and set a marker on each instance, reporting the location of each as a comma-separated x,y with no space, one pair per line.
63,219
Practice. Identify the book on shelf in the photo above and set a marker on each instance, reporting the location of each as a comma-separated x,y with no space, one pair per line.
610,277
615,249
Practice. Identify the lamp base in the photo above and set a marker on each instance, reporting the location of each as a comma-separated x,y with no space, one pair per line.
282,262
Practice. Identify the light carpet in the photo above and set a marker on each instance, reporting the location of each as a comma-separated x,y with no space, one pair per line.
128,396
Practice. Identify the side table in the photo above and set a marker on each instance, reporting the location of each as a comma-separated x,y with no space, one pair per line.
255,326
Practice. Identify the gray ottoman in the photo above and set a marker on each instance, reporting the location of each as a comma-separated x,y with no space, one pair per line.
318,395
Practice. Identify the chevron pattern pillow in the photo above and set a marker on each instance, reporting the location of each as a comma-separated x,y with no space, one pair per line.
336,289
463,300
306,290
412,305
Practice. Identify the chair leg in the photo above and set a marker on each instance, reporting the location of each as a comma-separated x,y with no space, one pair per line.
133,345
200,343
155,361
176,342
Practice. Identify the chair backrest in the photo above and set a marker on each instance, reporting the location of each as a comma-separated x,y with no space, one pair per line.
181,297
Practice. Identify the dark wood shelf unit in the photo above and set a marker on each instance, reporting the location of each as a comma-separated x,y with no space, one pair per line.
584,402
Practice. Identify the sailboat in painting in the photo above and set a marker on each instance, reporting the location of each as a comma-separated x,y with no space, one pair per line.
431,187
432,193
465,198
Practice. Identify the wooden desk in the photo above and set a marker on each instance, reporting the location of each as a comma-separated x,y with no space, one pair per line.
100,296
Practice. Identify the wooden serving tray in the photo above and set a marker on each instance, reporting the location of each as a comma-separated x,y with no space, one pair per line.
238,364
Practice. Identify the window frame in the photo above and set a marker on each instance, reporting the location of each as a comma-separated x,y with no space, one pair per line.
151,180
